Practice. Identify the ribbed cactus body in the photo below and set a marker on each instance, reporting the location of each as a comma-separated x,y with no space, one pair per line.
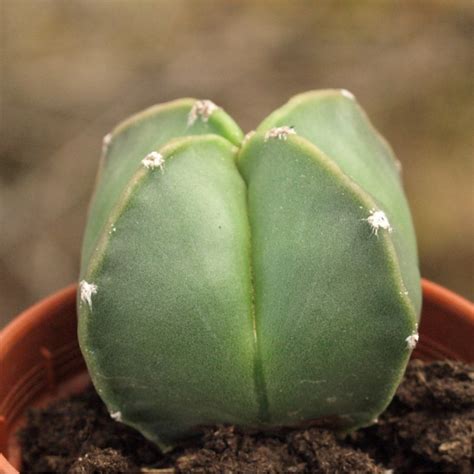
264,282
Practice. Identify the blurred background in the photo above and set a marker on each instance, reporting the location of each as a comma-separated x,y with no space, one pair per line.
70,70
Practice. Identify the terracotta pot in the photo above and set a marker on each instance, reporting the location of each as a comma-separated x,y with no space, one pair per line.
40,358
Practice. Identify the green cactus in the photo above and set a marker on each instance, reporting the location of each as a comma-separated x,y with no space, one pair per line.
266,281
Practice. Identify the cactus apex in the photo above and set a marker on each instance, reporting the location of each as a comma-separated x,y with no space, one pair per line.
86,291
202,109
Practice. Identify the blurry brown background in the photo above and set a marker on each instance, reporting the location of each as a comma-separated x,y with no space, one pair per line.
71,69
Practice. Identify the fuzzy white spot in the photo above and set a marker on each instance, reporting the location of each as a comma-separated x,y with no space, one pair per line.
378,220
202,109
87,290
412,340
398,165
106,142
348,418
154,160
280,133
248,136
331,399
116,415
347,94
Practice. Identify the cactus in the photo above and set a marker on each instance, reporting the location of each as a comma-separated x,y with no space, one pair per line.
267,281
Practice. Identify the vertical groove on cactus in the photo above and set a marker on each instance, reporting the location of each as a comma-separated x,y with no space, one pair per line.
259,376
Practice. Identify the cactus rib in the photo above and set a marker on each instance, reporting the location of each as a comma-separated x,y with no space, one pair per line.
132,140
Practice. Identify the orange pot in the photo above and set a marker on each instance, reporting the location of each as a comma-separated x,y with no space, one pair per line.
40,358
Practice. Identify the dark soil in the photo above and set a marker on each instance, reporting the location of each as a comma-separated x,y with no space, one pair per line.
428,427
